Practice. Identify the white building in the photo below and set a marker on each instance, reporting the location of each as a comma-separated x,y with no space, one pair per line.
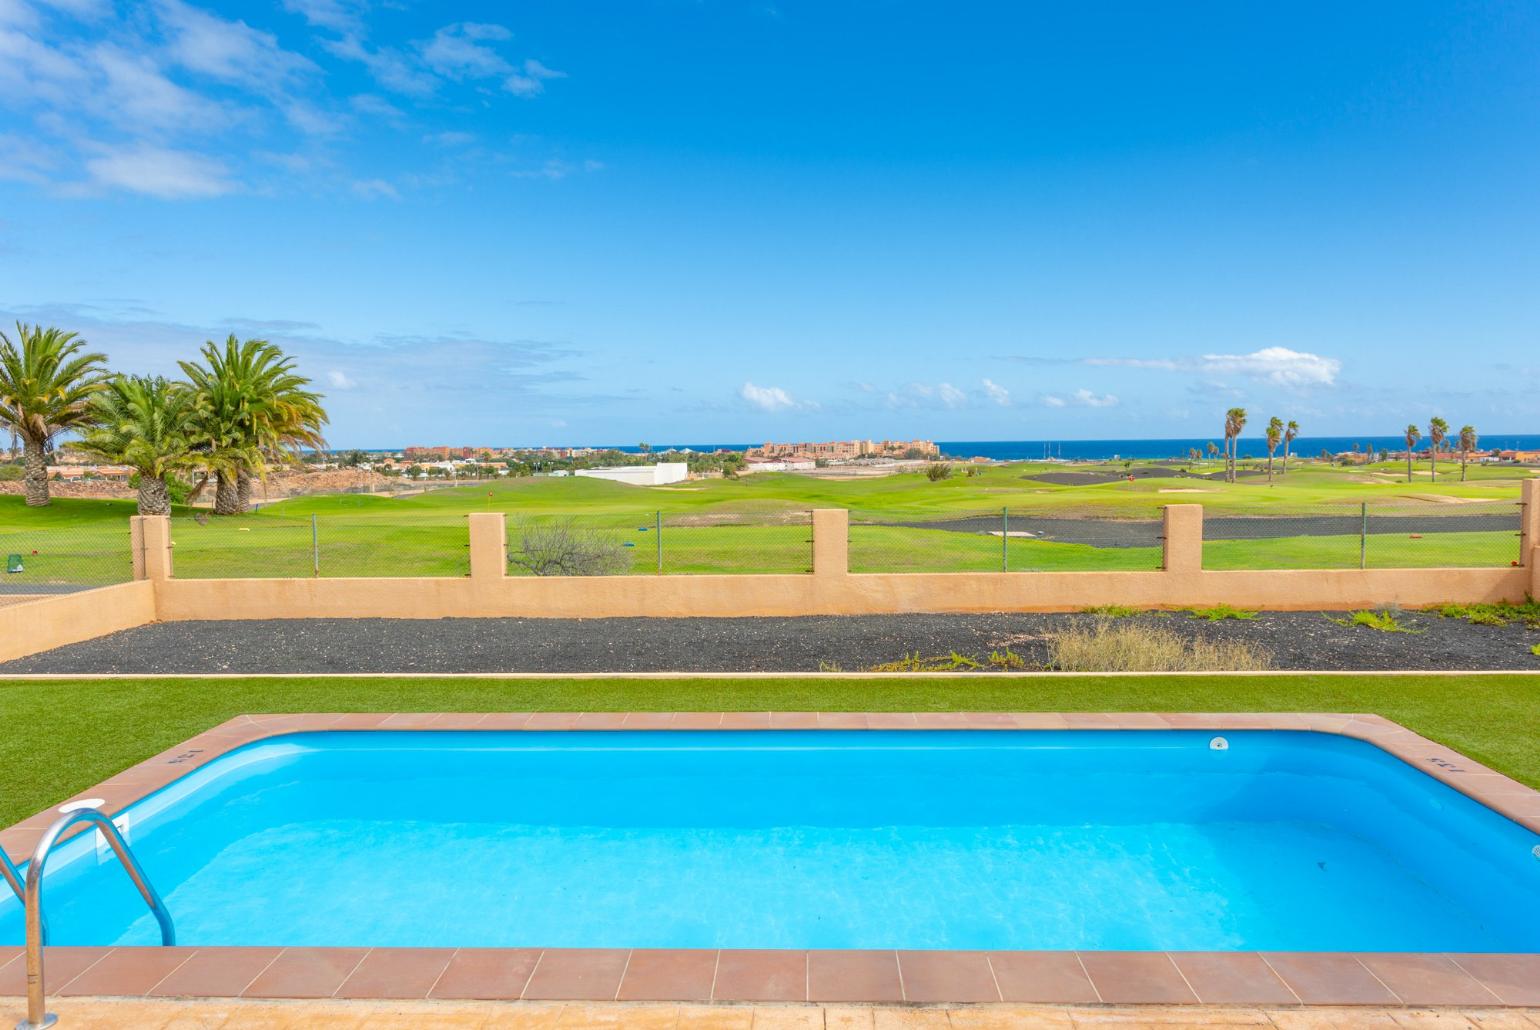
642,475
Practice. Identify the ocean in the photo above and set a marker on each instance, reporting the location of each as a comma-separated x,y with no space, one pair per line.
1108,450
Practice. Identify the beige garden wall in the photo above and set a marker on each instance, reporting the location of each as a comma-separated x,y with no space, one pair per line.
44,623
831,589
41,624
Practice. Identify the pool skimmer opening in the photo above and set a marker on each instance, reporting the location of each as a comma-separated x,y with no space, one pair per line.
1219,744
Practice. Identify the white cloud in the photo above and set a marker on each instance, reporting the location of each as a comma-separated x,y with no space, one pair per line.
1165,364
1092,400
997,393
141,96
1278,365
458,51
951,396
1049,400
531,82
160,172
230,51
767,398
337,15
391,68
375,189
339,380
450,139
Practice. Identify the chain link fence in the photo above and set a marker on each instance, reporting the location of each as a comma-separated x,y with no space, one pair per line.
1002,540
270,546
61,558
662,543
1374,535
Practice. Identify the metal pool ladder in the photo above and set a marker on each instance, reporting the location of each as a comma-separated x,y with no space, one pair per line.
38,1015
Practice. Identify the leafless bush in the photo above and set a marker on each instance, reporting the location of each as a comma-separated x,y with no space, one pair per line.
565,548
1105,645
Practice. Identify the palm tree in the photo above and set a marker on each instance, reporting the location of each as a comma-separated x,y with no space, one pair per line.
1274,438
145,423
1413,434
1290,434
1468,442
252,408
47,378
1213,448
1438,429
1235,421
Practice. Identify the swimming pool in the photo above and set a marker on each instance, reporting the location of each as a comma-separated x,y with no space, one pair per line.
1081,839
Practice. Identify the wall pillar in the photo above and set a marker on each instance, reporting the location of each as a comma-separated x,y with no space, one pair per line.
831,542
489,545
136,545
1182,538
152,555
1529,529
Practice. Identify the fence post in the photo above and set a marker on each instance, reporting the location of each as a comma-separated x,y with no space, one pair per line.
489,545
1529,526
136,545
1005,539
831,542
657,529
1182,538
1363,535
315,547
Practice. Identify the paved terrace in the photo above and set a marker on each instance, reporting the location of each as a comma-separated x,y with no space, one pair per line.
114,1014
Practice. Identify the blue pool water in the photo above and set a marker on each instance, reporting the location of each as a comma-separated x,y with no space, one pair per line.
1082,839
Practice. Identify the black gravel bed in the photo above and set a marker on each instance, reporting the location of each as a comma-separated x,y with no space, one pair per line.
1294,640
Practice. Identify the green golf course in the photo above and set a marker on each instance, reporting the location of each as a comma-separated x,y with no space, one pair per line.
1018,517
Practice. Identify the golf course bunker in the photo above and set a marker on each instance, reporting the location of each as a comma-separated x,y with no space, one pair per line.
1147,533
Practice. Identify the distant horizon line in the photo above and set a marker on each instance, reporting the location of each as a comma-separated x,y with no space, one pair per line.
1358,437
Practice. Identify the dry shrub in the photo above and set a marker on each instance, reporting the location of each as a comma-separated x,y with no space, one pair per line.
1105,645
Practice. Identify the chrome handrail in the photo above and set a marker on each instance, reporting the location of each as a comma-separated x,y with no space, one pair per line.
12,876
18,884
38,1015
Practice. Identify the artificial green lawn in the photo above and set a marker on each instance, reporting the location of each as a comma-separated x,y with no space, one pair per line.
63,736
83,541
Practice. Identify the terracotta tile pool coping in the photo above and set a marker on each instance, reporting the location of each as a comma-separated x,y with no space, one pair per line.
709,975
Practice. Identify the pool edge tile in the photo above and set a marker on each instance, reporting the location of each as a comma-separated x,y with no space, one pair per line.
307,973
853,976
215,972
1233,978
1142,977
486,974
947,976
669,974
577,974
760,975
396,973
1329,978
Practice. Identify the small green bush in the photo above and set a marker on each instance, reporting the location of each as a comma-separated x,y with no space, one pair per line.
1113,611
1383,622
1498,614
1220,612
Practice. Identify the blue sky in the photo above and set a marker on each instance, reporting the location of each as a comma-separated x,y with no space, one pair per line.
710,220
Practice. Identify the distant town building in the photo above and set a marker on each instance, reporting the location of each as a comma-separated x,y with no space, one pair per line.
844,450
641,475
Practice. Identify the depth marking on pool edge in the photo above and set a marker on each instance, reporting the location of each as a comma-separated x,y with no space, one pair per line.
1447,766
185,756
